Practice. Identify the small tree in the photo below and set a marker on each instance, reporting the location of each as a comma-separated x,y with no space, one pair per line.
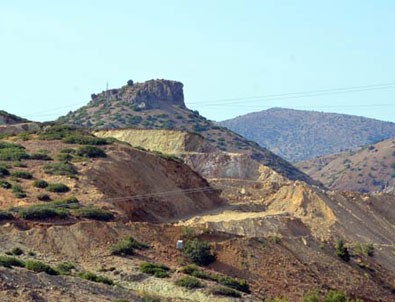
130,83
342,251
199,252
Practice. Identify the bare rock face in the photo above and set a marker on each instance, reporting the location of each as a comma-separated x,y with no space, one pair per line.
151,94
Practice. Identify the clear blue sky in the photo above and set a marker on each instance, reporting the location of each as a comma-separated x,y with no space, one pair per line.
54,54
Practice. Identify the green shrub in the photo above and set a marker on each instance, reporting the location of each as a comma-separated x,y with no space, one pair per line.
95,278
149,298
239,284
41,212
199,252
126,246
64,268
225,291
40,156
64,157
58,188
10,262
363,249
93,213
4,171
5,216
39,267
85,140
16,251
189,282
311,296
56,132
194,271
21,174
13,154
342,251
335,296
18,191
65,169
43,197
5,184
90,152
40,184
158,270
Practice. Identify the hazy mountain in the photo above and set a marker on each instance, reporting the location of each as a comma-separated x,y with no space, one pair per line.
298,135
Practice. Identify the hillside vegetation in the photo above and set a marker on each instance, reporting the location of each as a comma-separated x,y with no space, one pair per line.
298,135
369,169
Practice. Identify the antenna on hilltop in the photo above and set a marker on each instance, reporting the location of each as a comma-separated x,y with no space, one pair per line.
107,94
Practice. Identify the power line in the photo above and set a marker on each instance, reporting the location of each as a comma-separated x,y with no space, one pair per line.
296,95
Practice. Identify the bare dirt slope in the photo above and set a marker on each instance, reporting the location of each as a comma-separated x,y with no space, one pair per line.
369,169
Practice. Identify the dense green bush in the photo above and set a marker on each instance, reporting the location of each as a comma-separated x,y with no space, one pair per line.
16,251
57,188
149,298
5,184
81,139
10,262
311,296
362,249
90,152
199,252
158,270
12,152
239,284
21,174
95,278
93,213
5,216
4,171
64,157
225,291
40,184
18,191
41,212
335,296
40,156
189,282
43,197
64,268
126,246
38,267
65,169
341,250
56,132
194,271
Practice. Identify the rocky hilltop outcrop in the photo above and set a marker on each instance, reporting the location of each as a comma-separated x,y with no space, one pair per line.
159,105
10,119
146,95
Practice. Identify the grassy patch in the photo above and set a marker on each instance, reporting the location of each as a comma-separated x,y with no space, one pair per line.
64,268
95,278
126,247
157,270
21,174
82,139
5,216
40,184
38,267
40,156
225,291
57,188
189,282
18,192
65,169
10,262
4,171
90,152
12,152
5,184
93,213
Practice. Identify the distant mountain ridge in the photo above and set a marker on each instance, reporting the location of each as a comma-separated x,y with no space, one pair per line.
298,135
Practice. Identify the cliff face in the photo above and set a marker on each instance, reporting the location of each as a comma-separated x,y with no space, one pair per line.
153,94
